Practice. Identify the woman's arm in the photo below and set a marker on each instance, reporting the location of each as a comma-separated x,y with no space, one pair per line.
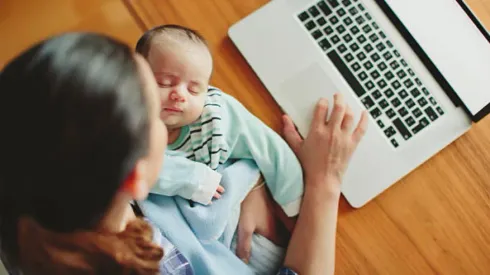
324,155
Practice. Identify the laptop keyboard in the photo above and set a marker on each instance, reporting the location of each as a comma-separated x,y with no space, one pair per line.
377,73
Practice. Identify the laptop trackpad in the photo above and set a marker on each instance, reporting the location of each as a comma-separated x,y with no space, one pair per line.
300,93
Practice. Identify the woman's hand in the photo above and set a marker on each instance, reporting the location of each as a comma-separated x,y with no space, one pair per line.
327,149
257,216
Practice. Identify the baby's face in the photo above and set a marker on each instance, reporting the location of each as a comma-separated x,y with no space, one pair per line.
182,70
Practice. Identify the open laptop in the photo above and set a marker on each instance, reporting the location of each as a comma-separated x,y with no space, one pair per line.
420,68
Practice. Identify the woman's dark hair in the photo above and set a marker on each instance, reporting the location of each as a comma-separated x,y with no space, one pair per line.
74,120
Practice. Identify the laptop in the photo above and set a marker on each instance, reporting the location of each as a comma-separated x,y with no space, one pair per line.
419,67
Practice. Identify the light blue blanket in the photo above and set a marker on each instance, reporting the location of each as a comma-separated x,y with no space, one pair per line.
204,233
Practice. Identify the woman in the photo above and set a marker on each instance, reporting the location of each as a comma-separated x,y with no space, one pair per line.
81,139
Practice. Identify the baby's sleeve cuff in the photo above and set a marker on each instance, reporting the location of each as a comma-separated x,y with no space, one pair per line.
292,209
207,187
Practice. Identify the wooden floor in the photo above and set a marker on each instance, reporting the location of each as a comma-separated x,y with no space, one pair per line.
434,221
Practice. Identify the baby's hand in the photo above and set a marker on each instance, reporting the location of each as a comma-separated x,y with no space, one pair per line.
219,192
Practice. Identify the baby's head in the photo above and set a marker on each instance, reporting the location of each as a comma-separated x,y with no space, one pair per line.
182,64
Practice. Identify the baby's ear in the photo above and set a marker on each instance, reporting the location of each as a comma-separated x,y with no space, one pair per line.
136,184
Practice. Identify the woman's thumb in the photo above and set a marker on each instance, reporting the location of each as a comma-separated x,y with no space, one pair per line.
290,134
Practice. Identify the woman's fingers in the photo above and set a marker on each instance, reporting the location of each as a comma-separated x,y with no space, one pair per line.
338,111
290,134
246,228
361,128
348,119
217,195
319,115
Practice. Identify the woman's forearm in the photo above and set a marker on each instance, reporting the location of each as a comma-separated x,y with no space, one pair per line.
312,246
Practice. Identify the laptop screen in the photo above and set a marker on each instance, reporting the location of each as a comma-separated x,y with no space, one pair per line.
455,42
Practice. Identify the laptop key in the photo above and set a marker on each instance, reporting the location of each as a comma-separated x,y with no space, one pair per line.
376,94
375,26
303,16
375,113
422,102
382,66
363,76
404,63
341,12
394,65
389,93
346,3
314,11
347,38
310,25
321,21
410,72
368,102
389,75
418,81
324,44
390,131
353,11
402,129
354,47
425,91
368,65
348,21
387,56
382,83
375,57
340,29
354,30
440,111
417,113
403,94
415,92
410,121
389,44
396,102
383,104
346,73
410,103
403,111
349,57
422,124
396,85
360,20
335,39
394,143
361,7
380,46
368,16
334,20
382,34
397,54
369,85
368,48
367,28
356,67
328,30
361,38
391,113
408,83
431,113
401,74
342,48
373,37
361,56
317,34
375,75
324,8
333,3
